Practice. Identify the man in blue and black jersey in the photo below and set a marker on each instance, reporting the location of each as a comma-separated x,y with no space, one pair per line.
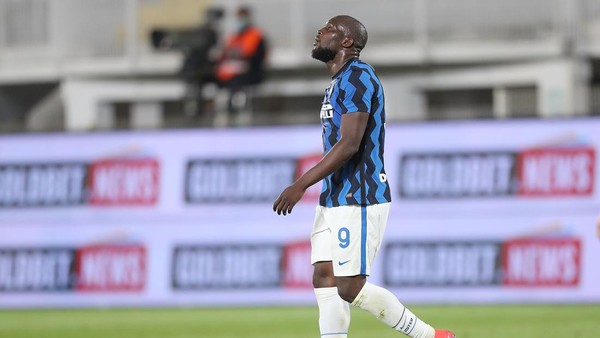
355,201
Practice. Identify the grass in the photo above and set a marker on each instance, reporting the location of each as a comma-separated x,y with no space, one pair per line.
549,321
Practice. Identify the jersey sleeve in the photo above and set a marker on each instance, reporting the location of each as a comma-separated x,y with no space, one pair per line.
357,92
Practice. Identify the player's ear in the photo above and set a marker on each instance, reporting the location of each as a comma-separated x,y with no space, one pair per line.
347,42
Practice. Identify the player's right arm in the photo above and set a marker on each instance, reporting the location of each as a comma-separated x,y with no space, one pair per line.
352,129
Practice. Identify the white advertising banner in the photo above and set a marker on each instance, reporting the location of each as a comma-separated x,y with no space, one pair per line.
482,212
471,260
501,167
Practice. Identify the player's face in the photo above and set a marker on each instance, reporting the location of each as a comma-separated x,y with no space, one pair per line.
327,42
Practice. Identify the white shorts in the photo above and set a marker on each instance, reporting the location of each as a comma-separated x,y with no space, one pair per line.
349,236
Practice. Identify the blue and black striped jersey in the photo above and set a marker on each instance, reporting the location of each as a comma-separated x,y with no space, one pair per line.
362,179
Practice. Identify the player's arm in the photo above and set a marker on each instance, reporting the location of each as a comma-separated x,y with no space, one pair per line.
352,129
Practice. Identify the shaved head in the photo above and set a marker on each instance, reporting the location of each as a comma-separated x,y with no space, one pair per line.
353,29
342,37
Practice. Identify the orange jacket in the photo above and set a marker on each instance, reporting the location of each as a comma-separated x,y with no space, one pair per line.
238,50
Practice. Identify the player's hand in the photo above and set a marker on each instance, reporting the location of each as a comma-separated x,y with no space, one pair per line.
287,200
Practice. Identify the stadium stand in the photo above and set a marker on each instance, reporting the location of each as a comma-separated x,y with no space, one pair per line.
83,65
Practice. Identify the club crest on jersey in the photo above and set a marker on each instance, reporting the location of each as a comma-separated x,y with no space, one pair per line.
326,111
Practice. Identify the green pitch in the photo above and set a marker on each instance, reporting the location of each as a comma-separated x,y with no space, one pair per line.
548,321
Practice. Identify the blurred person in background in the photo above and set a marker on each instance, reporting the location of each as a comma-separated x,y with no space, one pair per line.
200,48
355,201
242,63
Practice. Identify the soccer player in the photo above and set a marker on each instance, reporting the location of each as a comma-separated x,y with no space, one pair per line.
355,200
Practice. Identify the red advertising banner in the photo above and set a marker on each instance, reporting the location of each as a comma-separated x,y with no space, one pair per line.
111,268
557,172
542,262
124,182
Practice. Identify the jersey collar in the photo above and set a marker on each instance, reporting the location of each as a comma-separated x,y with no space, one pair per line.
344,67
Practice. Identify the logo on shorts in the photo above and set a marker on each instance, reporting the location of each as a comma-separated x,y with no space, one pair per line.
342,263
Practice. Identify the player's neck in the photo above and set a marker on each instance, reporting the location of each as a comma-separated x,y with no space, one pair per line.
339,61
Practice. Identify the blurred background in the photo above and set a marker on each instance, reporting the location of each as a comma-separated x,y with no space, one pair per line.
132,174
441,59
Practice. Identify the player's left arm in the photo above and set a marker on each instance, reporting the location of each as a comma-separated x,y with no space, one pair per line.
352,130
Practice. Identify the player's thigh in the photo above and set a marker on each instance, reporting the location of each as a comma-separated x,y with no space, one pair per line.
377,220
356,234
320,238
